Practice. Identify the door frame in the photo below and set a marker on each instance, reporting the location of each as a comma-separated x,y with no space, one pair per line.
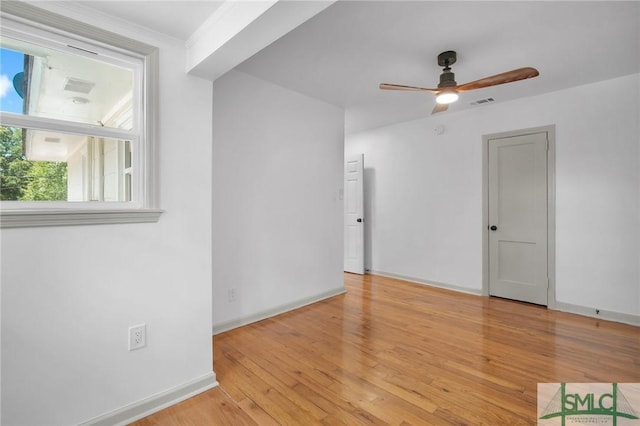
551,206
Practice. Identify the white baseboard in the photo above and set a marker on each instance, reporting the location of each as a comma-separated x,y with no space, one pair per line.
559,306
477,292
154,403
598,313
259,316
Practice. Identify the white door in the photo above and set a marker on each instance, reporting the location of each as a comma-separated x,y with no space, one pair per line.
354,215
518,217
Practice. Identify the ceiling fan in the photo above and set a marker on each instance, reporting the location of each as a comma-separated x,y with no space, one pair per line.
448,89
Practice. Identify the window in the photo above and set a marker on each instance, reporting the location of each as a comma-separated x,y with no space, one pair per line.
76,123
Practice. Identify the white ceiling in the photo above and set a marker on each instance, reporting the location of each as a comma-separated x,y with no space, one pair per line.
177,18
342,54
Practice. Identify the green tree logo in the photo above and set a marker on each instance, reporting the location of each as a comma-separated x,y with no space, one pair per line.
565,404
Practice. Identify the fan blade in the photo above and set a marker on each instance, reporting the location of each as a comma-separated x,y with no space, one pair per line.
439,108
386,86
505,77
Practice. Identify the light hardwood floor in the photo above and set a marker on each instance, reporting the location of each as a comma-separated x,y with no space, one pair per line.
392,352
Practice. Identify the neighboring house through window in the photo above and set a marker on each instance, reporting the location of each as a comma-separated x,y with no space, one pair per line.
76,123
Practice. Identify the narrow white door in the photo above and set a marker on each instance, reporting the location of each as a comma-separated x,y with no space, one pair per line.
354,215
518,217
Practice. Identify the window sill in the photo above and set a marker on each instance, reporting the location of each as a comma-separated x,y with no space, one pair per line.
68,217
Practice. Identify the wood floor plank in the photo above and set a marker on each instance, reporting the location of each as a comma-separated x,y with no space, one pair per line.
209,408
254,411
393,352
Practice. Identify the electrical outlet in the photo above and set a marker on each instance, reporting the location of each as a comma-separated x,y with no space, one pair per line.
231,295
137,337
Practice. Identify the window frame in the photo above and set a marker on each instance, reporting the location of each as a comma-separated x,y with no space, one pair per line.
146,209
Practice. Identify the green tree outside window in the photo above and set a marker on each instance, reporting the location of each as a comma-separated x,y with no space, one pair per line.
26,180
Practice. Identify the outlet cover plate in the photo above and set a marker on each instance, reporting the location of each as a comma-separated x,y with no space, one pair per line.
232,295
137,337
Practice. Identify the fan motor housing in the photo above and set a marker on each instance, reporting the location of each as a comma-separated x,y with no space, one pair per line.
447,79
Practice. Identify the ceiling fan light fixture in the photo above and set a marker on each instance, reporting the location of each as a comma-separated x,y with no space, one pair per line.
447,97
448,88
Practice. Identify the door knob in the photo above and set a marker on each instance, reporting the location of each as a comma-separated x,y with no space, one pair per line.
359,220
493,228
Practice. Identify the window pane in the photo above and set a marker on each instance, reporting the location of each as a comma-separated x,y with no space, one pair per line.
44,82
45,166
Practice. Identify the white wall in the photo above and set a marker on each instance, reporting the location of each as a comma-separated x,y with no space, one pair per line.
424,192
277,216
69,294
